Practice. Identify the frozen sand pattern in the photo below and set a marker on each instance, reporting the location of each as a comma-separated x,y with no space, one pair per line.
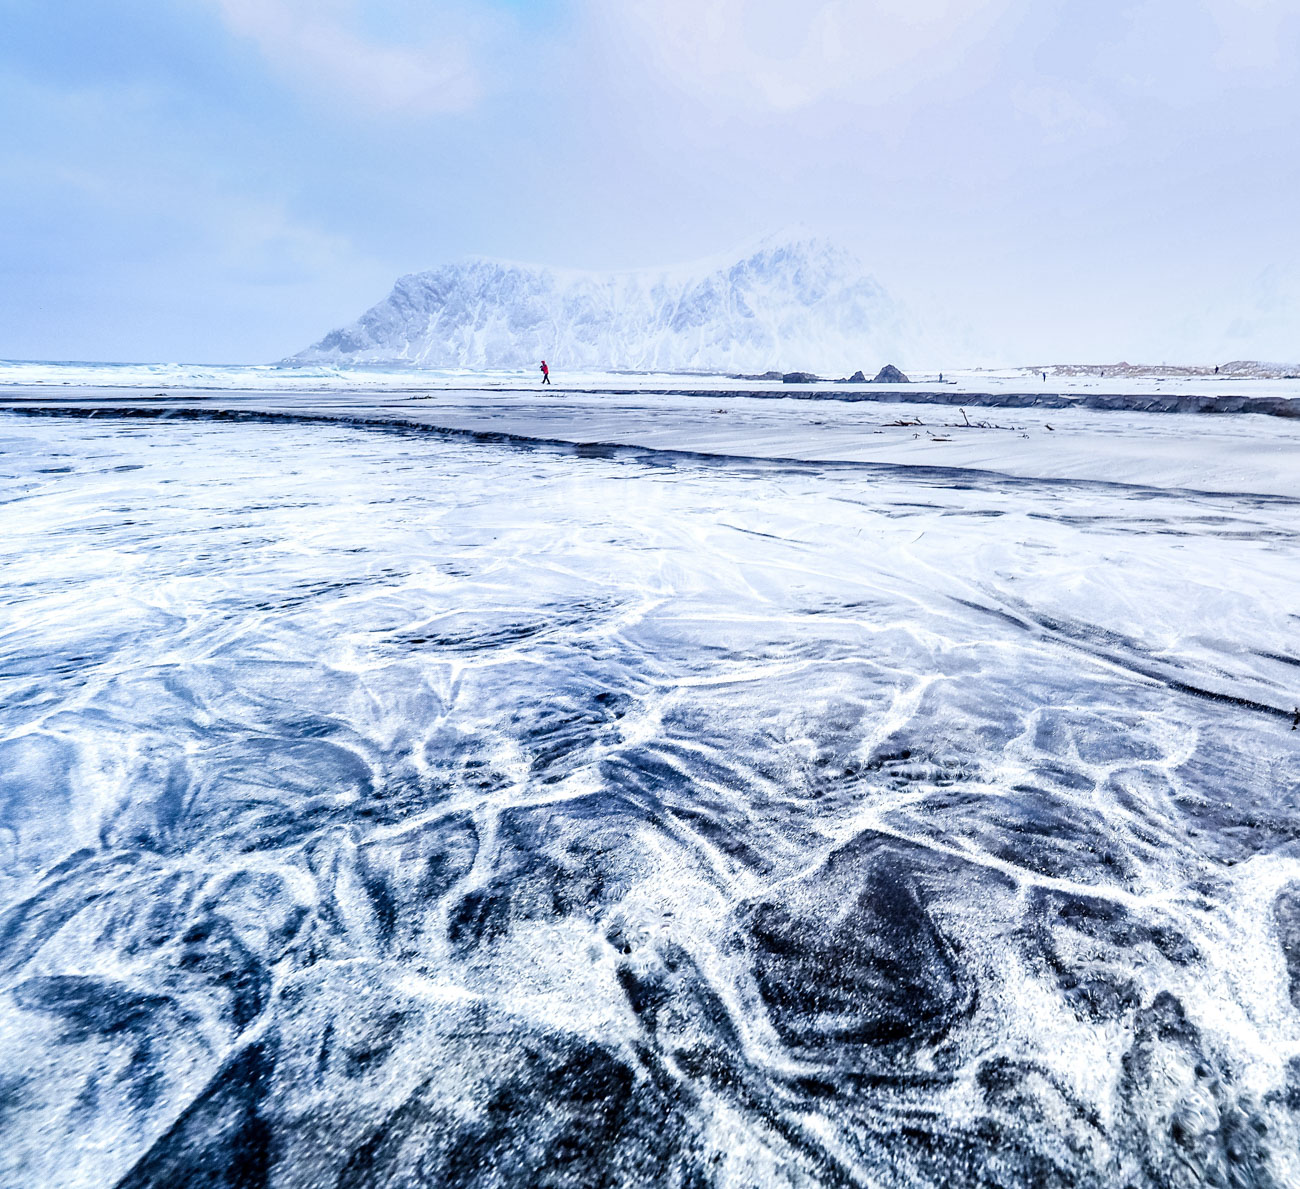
387,810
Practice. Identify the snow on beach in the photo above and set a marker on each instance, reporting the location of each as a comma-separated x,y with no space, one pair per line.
768,420
682,790
1252,381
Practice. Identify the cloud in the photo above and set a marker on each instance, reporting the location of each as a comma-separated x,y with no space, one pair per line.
1253,317
1058,110
316,44
789,54
1255,35
1265,316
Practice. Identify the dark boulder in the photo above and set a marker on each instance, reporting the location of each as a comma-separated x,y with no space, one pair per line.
856,378
799,378
889,374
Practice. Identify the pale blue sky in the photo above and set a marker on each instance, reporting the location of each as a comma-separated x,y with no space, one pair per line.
225,180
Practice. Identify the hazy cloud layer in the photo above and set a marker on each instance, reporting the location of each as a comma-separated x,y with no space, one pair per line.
783,56
229,180
316,44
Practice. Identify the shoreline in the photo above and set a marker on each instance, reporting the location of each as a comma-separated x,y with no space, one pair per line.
1139,449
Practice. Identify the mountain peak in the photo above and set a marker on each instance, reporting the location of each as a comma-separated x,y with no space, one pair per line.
787,301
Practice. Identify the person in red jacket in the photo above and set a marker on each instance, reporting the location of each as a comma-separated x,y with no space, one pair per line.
546,373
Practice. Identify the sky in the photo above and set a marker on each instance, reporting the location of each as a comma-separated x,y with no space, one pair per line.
1036,180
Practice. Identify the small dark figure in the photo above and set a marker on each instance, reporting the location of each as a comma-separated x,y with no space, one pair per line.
1044,377
546,373
941,377
1216,369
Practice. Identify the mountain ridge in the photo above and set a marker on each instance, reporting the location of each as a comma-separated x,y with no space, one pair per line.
786,305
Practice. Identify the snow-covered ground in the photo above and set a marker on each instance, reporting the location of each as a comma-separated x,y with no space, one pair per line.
780,798
174,377
1229,453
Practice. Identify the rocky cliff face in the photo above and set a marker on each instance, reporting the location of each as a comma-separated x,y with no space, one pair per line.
788,304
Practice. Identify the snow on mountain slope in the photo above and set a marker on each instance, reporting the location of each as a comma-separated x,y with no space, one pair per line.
792,304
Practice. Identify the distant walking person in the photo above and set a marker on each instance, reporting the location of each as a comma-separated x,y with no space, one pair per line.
546,373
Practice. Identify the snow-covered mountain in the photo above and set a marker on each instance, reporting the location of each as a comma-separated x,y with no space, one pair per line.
789,304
